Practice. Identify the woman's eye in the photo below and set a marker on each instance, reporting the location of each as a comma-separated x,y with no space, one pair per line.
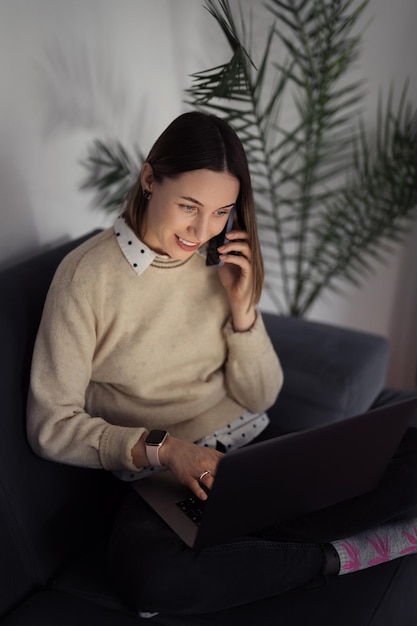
187,208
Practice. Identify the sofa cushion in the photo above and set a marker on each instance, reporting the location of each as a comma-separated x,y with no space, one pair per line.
329,372
55,509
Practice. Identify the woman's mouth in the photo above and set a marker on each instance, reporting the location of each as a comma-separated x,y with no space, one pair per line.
184,244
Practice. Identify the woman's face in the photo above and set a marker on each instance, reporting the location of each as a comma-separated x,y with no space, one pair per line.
185,212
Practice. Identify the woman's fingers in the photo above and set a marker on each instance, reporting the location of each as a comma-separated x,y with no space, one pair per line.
193,465
237,245
201,487
206,479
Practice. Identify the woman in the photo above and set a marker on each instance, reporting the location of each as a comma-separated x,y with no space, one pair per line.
139,334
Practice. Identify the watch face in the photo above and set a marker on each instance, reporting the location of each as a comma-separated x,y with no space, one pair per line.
155,437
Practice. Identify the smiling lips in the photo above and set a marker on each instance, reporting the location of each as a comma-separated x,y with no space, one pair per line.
187,245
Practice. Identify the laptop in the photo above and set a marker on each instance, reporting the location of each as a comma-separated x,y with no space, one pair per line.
282,478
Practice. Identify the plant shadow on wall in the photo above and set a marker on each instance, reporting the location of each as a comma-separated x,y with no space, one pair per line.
79,89
331,197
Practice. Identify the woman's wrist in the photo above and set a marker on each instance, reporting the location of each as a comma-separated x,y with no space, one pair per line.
139,455
138,451
242,322
165,449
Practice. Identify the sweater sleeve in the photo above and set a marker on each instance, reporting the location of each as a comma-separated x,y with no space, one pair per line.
58,426
254,375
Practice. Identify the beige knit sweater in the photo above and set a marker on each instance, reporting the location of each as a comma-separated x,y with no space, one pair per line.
117,353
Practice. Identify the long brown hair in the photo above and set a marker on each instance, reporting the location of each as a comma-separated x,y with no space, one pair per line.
194,141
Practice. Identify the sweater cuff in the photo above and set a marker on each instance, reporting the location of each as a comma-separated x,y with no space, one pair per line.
257,326
255,341
116,446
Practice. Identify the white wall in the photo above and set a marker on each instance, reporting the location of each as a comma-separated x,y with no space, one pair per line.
73,71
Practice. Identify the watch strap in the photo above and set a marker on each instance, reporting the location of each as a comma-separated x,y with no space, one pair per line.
152,452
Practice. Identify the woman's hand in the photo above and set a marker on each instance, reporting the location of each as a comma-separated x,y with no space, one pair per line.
185,460
236,278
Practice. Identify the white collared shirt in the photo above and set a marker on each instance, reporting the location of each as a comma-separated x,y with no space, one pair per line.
139,255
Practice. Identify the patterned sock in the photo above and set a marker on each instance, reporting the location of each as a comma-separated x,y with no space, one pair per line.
378,545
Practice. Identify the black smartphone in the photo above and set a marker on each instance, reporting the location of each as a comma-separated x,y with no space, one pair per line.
219,240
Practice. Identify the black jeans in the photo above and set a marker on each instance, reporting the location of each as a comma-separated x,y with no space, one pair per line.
157,572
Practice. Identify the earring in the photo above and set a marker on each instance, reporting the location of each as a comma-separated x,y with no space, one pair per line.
146,194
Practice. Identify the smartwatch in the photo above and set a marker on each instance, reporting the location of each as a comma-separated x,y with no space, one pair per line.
153,442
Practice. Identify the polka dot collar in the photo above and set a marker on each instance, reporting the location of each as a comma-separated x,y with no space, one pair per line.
137,253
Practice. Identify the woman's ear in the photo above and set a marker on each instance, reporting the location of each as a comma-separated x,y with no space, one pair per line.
147,177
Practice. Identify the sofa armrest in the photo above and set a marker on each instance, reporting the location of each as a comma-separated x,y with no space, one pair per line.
329,372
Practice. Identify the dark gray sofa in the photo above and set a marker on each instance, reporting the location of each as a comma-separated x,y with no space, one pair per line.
54,519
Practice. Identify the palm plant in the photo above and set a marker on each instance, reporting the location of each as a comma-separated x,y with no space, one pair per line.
329,196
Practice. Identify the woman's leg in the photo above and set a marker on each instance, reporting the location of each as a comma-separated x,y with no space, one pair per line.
158,573
376,546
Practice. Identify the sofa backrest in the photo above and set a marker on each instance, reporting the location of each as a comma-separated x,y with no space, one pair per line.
48,510
330,372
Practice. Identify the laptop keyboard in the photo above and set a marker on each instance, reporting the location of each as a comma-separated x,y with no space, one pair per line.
193,507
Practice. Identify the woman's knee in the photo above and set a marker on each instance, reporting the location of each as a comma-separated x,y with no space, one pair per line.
150,565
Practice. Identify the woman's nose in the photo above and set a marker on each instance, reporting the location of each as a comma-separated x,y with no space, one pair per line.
200,228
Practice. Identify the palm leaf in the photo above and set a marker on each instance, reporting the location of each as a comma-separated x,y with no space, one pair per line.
112,172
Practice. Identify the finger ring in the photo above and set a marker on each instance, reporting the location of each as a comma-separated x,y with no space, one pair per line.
203,474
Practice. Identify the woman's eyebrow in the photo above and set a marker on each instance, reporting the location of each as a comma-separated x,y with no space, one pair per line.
194,201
